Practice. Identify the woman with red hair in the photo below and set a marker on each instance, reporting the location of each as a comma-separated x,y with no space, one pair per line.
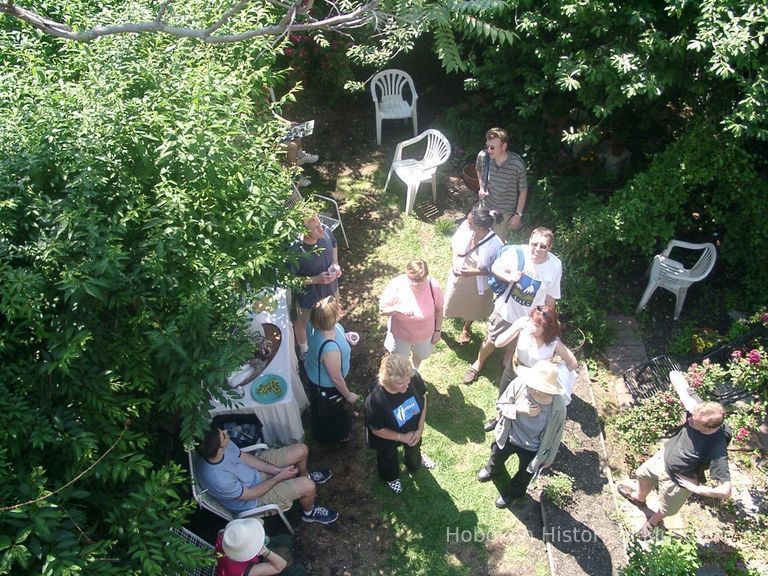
538,338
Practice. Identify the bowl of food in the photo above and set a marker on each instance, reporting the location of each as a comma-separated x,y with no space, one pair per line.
269,388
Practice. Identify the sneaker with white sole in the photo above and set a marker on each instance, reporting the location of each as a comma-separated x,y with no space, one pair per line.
320,515
304,182
320,476
427,462
305,158
395,485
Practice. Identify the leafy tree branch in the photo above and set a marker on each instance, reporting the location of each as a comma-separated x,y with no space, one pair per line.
340,17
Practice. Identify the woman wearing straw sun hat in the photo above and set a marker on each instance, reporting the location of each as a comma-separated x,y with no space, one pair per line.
242,551
531,425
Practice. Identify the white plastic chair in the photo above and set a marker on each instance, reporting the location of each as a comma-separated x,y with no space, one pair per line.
192,538
387,89
333,222
674,276
415,171
208,502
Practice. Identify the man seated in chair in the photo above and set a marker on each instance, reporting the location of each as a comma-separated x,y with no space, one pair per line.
243,481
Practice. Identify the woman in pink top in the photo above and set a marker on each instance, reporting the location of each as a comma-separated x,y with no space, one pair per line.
414,303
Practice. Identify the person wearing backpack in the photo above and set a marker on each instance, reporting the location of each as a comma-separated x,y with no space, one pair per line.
530,281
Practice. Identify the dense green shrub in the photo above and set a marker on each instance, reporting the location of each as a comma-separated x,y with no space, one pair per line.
669,556
141,203
640,427
703,187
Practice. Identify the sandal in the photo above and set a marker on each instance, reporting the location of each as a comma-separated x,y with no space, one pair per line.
395,485
470,375
464,338
626,492
427,462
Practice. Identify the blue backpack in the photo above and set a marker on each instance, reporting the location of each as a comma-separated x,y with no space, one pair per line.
497,285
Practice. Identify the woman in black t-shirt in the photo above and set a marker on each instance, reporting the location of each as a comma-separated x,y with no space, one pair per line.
395,413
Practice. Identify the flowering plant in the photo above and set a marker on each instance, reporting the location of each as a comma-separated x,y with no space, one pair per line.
320,63
704,377
743,418
745,369
642,426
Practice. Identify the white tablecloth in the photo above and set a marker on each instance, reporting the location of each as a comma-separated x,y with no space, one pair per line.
281,420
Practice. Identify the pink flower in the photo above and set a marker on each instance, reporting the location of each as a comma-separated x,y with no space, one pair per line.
753,357
736,354
742,434
289,52
764,318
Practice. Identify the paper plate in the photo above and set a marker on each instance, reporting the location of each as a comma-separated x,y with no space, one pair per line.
269,388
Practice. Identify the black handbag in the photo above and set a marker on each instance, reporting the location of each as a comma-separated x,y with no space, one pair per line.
329,401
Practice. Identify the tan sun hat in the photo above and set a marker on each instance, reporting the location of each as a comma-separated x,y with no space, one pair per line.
542,377
243,539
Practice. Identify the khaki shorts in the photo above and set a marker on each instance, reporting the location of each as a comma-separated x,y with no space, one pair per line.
421,350
284,493
671,496
498,328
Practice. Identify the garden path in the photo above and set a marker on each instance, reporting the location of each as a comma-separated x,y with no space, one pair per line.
585,536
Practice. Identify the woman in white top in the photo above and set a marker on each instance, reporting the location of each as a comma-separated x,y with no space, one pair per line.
474,247
538,338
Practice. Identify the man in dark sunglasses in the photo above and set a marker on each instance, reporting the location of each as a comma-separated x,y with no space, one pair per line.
533,282
503,182
677,470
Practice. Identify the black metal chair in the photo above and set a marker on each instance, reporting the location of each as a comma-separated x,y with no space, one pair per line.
648,378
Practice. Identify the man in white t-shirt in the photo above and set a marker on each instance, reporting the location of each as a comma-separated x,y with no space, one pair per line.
535,283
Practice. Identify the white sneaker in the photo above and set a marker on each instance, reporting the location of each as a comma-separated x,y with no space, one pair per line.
304,182
304,158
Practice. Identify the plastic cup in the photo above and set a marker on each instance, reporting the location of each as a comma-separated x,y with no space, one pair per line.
352,337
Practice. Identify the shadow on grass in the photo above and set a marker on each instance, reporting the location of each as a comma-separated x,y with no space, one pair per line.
453,416
431,531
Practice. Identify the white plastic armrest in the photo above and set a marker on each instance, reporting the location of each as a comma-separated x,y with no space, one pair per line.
258,511
254,448
682,244
328,199
410,141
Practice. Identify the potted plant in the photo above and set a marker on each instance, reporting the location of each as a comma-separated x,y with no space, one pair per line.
469,175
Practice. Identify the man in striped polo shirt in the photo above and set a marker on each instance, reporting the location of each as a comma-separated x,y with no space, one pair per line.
503,182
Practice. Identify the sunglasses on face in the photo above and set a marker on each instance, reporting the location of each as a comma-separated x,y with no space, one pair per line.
542,311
